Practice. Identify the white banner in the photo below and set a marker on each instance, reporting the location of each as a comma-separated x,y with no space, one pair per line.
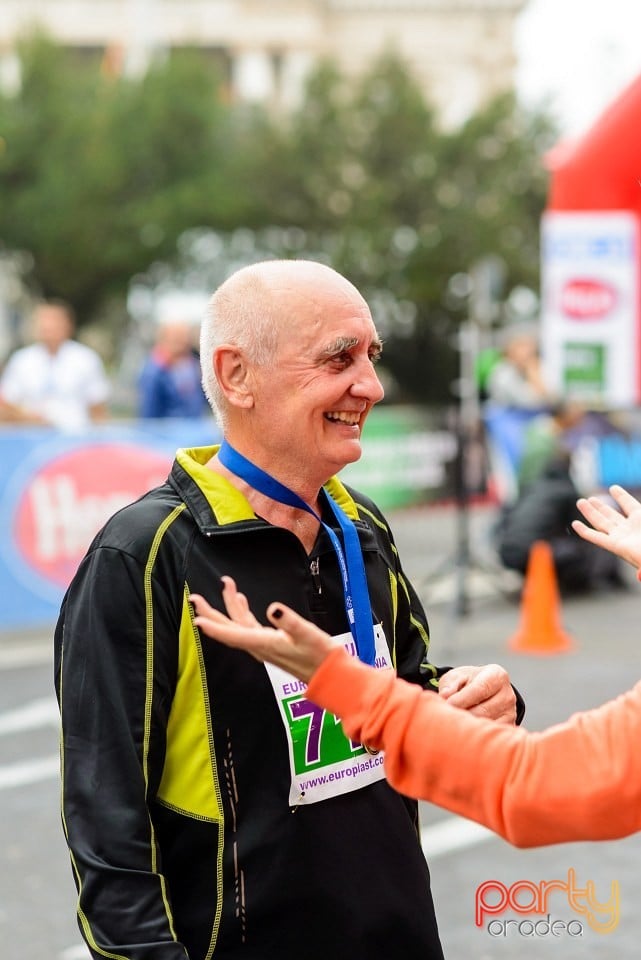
590,267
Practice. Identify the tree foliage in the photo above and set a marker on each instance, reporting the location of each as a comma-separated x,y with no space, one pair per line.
102,175
401,206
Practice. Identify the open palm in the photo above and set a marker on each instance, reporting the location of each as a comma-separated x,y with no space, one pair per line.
618,531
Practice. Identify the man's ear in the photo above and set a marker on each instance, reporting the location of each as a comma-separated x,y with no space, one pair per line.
233,375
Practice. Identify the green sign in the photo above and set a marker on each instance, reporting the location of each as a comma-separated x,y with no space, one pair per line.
584,369
405,457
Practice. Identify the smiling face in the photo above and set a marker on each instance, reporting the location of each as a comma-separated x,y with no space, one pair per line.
310,404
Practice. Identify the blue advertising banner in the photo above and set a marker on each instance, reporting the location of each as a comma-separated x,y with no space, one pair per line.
604,449
58,489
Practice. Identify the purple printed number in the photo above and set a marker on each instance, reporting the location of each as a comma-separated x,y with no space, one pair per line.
305,708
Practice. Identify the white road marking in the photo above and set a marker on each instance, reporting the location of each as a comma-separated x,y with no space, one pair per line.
452,834
29,771
80,952
32,716
12,658
38,713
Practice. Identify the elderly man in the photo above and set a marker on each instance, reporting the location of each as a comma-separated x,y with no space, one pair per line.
210,809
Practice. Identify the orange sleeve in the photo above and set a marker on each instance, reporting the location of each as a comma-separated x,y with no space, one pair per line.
579,780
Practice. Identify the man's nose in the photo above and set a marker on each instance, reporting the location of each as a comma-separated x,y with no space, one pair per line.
367,384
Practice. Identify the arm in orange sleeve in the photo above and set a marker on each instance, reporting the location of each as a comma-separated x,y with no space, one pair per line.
579,780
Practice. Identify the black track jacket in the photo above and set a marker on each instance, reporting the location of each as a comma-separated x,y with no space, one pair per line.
175,769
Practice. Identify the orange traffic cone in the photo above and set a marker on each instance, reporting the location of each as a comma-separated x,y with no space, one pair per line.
540,630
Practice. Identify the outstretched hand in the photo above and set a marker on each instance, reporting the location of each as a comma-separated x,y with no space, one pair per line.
293,643
299,647
618,531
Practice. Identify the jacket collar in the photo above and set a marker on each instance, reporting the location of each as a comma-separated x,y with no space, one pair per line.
214,502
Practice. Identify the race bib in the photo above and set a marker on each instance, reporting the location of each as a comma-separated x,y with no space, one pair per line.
323,761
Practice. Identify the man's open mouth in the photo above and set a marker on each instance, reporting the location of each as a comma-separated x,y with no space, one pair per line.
353,419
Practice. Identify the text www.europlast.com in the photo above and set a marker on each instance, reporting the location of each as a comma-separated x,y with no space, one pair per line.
350,771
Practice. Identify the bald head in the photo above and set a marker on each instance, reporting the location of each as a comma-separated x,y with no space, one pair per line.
259,303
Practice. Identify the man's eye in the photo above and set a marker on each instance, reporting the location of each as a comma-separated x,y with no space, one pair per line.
343,359
375,357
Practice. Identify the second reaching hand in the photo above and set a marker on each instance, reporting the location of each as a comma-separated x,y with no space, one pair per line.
483,691
618,531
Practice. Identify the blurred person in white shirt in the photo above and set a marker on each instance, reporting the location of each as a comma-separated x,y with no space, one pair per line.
55,381
516,380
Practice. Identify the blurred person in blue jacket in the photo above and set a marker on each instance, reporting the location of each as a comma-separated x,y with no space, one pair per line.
170,380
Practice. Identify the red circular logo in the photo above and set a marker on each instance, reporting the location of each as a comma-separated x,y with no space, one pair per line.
68,501
587,299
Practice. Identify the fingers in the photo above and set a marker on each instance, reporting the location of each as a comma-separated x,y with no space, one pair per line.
615,530
303,632
451,682
589,533
472,685
625,500
228,629
295,645
212,622
598,513
602,515
307,646
205,610
236,604
484,691
497,709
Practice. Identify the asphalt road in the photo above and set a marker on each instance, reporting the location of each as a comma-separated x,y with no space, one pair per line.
473,616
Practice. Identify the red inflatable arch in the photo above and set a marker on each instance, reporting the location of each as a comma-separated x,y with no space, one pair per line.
591,260
602,170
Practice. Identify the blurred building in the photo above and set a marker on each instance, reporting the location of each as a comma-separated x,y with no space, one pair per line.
461,51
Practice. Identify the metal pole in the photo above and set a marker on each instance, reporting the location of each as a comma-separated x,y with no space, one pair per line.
466,417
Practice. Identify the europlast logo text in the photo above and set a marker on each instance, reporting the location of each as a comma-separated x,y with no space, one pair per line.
65,503
525,898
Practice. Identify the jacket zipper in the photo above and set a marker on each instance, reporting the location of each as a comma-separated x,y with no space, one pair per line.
314,566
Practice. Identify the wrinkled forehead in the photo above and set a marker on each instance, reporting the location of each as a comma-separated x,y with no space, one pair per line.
315,335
